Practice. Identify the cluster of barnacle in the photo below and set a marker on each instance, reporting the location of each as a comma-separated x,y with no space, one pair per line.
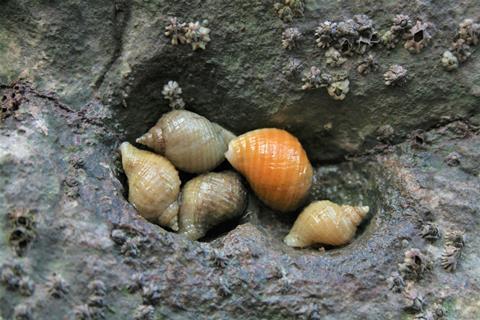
429,231
290,38
194,33
416,36
173,93
14,277
454,244
22,222
288,9
337,84
94,308
460,51
151,294
355,35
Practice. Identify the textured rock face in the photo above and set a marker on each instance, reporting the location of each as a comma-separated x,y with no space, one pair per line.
71,243
118,52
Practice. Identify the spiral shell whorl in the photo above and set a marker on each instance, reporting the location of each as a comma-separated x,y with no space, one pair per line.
327,223
209,200
191,142
275,165
154,185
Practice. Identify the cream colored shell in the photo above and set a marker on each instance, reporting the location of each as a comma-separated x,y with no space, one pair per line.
153,185
209,200
191,142
325,222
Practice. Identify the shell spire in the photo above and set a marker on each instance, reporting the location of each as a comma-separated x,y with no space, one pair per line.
325,222
153,139
154,185
275,165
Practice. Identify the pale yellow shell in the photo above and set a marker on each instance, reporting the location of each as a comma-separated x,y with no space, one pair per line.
325,222
191,142
153,185
209,200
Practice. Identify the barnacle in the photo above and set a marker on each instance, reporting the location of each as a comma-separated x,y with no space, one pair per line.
83,312
289,9
338,90
450,257
144,312
173,93
97,287
461,50
367,35
10,103
151,294
449,61
401,24
26,286
334,57
395,282
368,64
385,133
22,217
413,299
434,313
455,238
23,312
290,38
314,78
469,31
136,282
395,75
415,264
429,231
175,31
324,34
118,236
417,37
292,67
57,287
453,159
197,35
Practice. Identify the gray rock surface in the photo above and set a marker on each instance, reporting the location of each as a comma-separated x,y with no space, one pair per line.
96,71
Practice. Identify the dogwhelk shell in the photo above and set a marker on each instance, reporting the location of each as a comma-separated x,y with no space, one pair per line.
191,142
209,200
275,165
154,185
325,222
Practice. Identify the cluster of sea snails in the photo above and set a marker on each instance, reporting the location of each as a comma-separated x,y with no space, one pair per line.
194,33
272,160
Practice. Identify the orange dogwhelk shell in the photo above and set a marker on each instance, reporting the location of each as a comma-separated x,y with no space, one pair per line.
275,165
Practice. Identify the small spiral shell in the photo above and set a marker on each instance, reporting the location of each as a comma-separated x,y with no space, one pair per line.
154,185
275,165
209,200
191,142
325,222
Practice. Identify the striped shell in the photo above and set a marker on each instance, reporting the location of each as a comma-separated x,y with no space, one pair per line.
191,142
275,165
153,185
325,222
209,200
